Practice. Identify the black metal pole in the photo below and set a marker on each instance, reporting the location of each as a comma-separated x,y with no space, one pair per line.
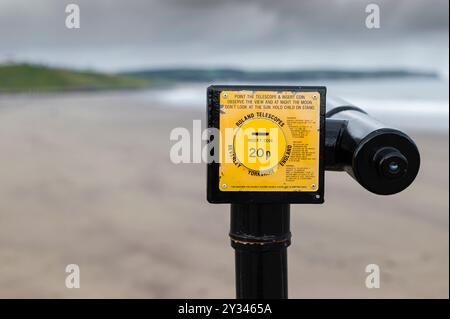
260,235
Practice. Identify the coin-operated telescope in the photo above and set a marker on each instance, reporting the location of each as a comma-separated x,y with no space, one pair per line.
270,147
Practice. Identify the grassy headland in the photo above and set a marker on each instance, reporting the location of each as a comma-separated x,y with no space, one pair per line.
16,78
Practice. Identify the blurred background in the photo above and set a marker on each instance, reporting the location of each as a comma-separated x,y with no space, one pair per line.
85,118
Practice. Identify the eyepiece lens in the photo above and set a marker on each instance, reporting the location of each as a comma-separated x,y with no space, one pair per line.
391,163
393,167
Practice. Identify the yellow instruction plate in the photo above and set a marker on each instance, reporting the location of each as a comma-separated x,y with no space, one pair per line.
269,141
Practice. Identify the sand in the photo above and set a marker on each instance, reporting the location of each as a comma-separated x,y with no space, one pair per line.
86,179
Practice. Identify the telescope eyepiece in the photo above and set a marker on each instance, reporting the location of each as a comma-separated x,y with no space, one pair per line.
386,162
391,164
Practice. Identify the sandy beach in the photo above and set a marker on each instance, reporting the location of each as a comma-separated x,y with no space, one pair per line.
87,179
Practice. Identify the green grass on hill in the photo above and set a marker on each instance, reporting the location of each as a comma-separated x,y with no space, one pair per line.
35,78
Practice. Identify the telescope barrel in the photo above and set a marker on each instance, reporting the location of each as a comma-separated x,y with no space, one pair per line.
383,160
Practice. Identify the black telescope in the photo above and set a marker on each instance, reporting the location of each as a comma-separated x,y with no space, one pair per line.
383,160
332,134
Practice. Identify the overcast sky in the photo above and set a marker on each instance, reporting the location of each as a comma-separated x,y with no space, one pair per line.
131,34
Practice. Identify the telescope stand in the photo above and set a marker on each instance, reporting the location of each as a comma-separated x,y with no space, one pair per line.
260,235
